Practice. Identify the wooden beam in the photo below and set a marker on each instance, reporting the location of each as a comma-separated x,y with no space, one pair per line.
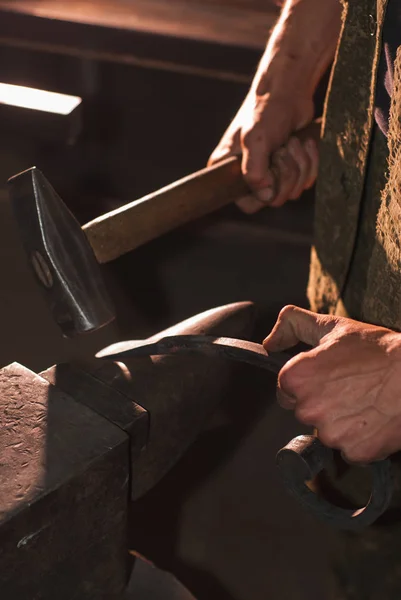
236,22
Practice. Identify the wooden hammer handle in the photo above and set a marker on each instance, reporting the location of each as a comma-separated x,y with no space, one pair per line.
115,233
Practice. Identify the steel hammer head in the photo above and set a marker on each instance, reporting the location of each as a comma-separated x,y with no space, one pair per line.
60,255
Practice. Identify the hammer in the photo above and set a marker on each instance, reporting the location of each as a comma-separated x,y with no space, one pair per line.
64,256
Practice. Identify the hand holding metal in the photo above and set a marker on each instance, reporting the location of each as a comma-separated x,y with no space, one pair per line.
304,457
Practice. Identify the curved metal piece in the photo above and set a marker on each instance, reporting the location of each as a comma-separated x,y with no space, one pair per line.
304,457
218,347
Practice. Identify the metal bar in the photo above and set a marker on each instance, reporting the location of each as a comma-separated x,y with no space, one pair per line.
215,347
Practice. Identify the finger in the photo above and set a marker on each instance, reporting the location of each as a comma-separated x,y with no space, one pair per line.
367,438
341,433
299,154
229,145
296,325
311,148
250,205
349,462
295,386
284,399
362,437
262,183
363,454
287,174
255,165
286,387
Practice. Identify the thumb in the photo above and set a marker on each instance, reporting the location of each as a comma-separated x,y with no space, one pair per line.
229,145
296,325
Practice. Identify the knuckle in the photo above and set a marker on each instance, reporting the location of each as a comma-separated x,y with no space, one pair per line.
286,401
296,368
293,379
296,152
364,452
256,173
295,146
311,148
357,455
279,199
288,383
263,195
287,311
254,179
306,415
303,168
329,437
278,202
285,381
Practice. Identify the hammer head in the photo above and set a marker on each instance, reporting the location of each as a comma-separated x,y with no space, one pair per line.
60,255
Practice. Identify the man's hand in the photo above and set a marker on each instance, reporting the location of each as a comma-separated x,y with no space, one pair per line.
276,164
348,386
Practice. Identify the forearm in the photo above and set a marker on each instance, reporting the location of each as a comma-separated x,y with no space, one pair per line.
302,45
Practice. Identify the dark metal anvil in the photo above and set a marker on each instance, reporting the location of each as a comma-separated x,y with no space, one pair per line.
79,442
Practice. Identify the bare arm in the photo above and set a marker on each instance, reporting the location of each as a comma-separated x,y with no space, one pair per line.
280,102
302,44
